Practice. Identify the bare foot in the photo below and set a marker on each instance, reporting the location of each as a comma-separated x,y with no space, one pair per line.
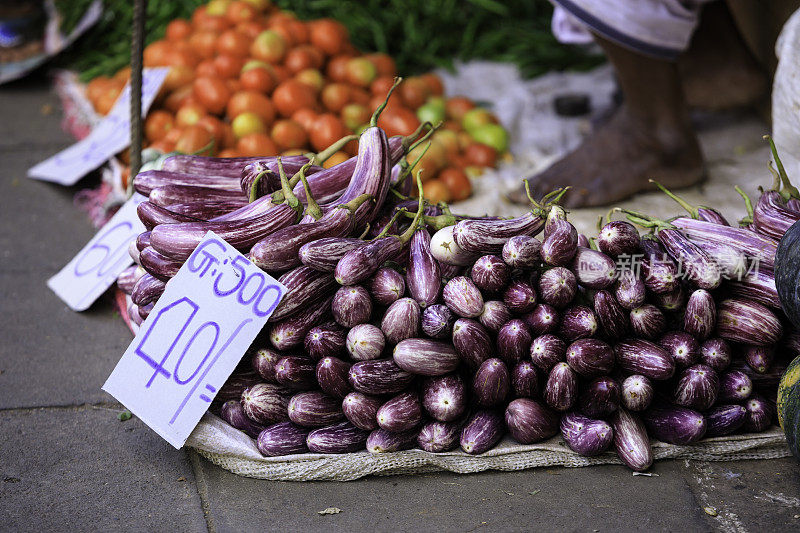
617,161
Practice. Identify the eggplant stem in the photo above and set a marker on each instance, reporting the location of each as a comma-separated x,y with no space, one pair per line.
252,197
385,230
418,220
600,222
312,207
748,205
788,190
409,168
426,136
529,195
326,154
645,221
289,197
364,233
593,244
608,215
692,210
397,194
374,120
553,197
357,202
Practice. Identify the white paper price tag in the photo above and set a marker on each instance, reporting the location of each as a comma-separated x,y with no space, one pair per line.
98,264
193,338
110,136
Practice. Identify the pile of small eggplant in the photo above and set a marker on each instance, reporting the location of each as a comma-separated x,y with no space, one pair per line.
407,326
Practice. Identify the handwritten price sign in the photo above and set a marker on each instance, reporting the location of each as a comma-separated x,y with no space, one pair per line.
112,135
193,338
98,264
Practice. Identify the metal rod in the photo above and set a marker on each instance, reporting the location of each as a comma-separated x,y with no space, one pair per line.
137,48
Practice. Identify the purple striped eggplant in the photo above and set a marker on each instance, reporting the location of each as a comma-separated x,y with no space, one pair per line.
472,342
735,386
483,430
561,244
332,376
379,376
233,413
590,357
449,271
766,381
637,393
323,254
618,238
314,409
525,380
593,269
297,372
489,236
747,322
583,240
681,347
327,340
283,438
547,350
513,342
520,297
365,342
759,414
673,301
757,285
144,311
543,319
218,166
648,322
674,425
586,436
382,441
462,297
425,357
152,216
771,217
360,263
724,420
437,437
401,413
167,195
264,361
305,286
401,320
291,331
629,290
351,306
343,437
660,273
444,398
600,398
207,210
631,441
613,319
157,265
128,278
701,315
143,241
529,421
577,322
495,315
759,358
148,289
697,388
437,321
265,403
445,249
491,383
490,274
522,251
557,287
715,353
361,410
236,384
638,356
731,262
758,247
700,269
709,214
423,276
561,389
387,286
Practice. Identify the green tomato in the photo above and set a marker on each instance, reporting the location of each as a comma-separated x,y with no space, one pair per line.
493,135
475,118
430,112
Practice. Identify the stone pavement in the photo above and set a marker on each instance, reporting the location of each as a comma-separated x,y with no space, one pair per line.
67,463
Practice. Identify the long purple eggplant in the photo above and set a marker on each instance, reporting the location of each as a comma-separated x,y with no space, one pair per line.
631,441
158,265
152,216
675,425
206,210
757,285
483,430
747,322
771,216
590,357
323,254
701,315
593,269
561,389
297,372
148,289
315,409
709,214
472,342
380,376
585,435
445,249
291,331
172,194
305,286
529,421
326,340
724,420
444,398
600,398
236,384
489,236
128,278
614,320
753,245
423,276
425,357
343,437
401,320
284,438
362,410
638,356
637,393
365,342
144,182
230,167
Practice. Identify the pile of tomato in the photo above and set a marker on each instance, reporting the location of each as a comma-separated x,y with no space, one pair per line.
247,79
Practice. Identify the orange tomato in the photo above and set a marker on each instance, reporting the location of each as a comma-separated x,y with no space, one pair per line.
162,146
178,30
234,85
252,101
257,79
298,31
384,64
105,102
204,43
337,68
480,155
212,93
123,74
256,145
328,35
156,54
211,22
194,139
173,135
292,95
250,29
398,121
178,76
239,11
335,96
435,191
288,134
268,46
234,43
361,72
414,92
381,85
189,115
303,57
434,83
456,182
229,152
96,87
335,159
457,106
207,69
157,124
178,98
327,129
229,66
305,117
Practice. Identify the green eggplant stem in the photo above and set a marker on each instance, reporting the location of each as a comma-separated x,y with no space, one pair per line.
326,154
748,205
290,199
407,169
374,120
426,136
418,220
254,187
645,221
692,210
788,190
312,207
385,230
357,202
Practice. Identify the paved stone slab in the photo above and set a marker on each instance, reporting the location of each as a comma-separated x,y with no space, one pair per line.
605,498
83,470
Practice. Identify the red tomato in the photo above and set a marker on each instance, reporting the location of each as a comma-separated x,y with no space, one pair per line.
335,96
328,35
434,83
305,117
157,124
234,43
178,30
458,105
204,43
456,182
194,139
398,121
213,93
384,64
252,101
414,92
435,191
257,79
289,135
381,86
228,66
303,57
240,11
327,129
337,68
292,95
256,145
189,115
480,155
